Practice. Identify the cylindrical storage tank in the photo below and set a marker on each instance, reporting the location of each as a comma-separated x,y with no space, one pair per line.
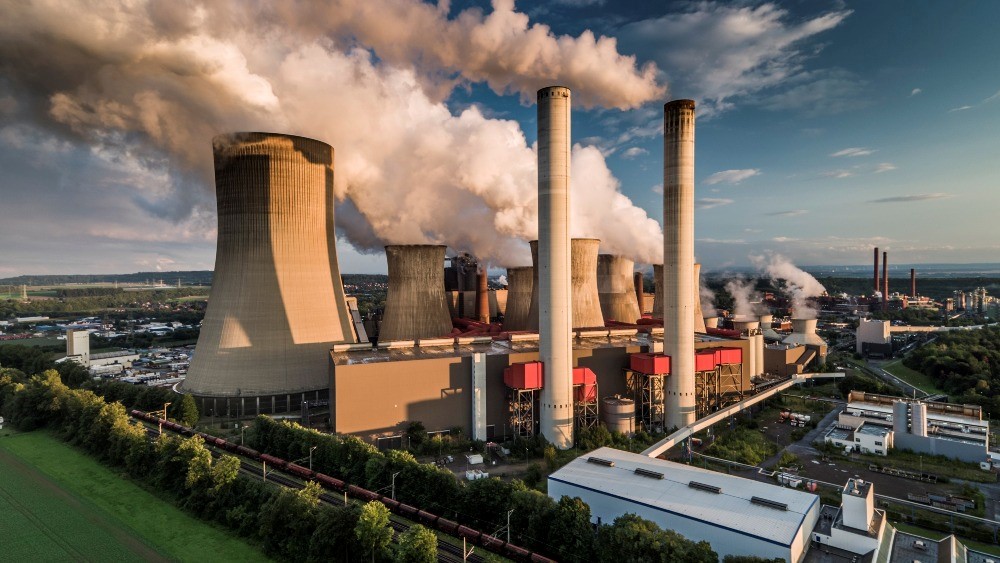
415,305
918,421
277,301
657,290
556,279
519,284
900,414
586,297
711,322
766,321
699,317
640,295
618,414
759,351
616,288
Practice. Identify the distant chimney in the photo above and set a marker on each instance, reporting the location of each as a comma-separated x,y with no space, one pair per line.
913,282
878,286
482,297
885,281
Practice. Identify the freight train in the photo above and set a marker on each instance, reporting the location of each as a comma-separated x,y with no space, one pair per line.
473,536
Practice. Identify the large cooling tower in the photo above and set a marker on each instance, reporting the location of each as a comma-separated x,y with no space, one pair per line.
657,290
699,316
678,260
519,284
277,302
586,298
415,305
616,288
555,267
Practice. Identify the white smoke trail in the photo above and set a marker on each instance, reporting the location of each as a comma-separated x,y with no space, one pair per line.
799,285
744,296
150,83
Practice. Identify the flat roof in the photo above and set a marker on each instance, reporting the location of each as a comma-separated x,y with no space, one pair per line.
872,430
731,508
904,548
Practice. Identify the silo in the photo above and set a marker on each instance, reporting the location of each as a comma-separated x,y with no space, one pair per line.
277,301
900,412
415,305
618,414
616,288
519,284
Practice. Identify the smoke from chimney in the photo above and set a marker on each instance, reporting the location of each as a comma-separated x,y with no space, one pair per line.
799,285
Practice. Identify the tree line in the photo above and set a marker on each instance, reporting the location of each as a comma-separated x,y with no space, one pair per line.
966,364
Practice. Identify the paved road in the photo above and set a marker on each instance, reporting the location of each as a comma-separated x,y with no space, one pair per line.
804,445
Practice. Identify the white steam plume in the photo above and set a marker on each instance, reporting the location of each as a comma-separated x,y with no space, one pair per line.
150,83
799,285
744,296
707,302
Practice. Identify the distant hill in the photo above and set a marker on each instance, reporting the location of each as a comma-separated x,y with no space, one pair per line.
197,277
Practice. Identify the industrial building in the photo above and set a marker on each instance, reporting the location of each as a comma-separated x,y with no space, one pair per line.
737,516
929,427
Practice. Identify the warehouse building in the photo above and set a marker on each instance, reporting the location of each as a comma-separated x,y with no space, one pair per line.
737,516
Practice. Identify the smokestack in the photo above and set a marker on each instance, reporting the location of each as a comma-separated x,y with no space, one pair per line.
482,297
657,290
699,316
878,286
555,306
616,290
640,292
415,305
885,281
519,289
913,282
678,259
277,302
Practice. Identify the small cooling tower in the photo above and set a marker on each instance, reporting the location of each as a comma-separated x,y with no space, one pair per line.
519,284
416,305
616,288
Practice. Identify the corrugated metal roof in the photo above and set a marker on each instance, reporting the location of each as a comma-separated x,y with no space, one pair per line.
731,508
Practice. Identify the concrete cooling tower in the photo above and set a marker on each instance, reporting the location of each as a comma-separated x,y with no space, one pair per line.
616,288
277,302
415,305
520,281
586,298
699,318
657,290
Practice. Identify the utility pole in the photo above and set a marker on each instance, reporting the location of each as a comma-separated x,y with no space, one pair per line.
509,512
311,462
394,485
164,417
466,554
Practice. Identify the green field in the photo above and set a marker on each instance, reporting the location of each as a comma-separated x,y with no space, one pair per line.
35,342
914,378
57,504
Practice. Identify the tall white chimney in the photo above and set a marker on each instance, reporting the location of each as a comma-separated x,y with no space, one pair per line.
555,319
678,259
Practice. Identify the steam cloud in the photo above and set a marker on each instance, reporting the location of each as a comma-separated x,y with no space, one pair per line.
707,302
745,298
799,285
148,85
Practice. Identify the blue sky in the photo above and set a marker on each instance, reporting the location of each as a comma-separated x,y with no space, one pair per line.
824,128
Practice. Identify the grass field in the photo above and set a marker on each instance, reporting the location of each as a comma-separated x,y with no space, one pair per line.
35,342
914,378
65,505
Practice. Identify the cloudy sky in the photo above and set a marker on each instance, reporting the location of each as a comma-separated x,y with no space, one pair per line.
824,128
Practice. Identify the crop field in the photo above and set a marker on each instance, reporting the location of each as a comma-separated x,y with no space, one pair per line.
57,504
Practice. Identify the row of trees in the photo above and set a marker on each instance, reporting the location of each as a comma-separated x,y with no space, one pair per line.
289,524
560,529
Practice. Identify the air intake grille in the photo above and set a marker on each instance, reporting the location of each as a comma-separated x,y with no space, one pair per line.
704,487
648,473
769,503
601,461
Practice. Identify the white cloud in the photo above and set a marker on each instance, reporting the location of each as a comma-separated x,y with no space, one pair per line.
960,108
721,52
854,151
838,174
710,202
790,213
732,176
634,152
657,189
884,167
912,198
915,91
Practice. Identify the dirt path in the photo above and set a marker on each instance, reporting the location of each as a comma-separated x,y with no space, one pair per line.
31,474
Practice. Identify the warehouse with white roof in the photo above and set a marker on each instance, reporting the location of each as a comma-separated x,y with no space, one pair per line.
737,516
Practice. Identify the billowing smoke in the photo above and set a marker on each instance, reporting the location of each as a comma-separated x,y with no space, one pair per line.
502,280
708,302
150,83
799,285
746,300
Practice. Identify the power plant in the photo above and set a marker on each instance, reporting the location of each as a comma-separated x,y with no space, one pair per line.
569,340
